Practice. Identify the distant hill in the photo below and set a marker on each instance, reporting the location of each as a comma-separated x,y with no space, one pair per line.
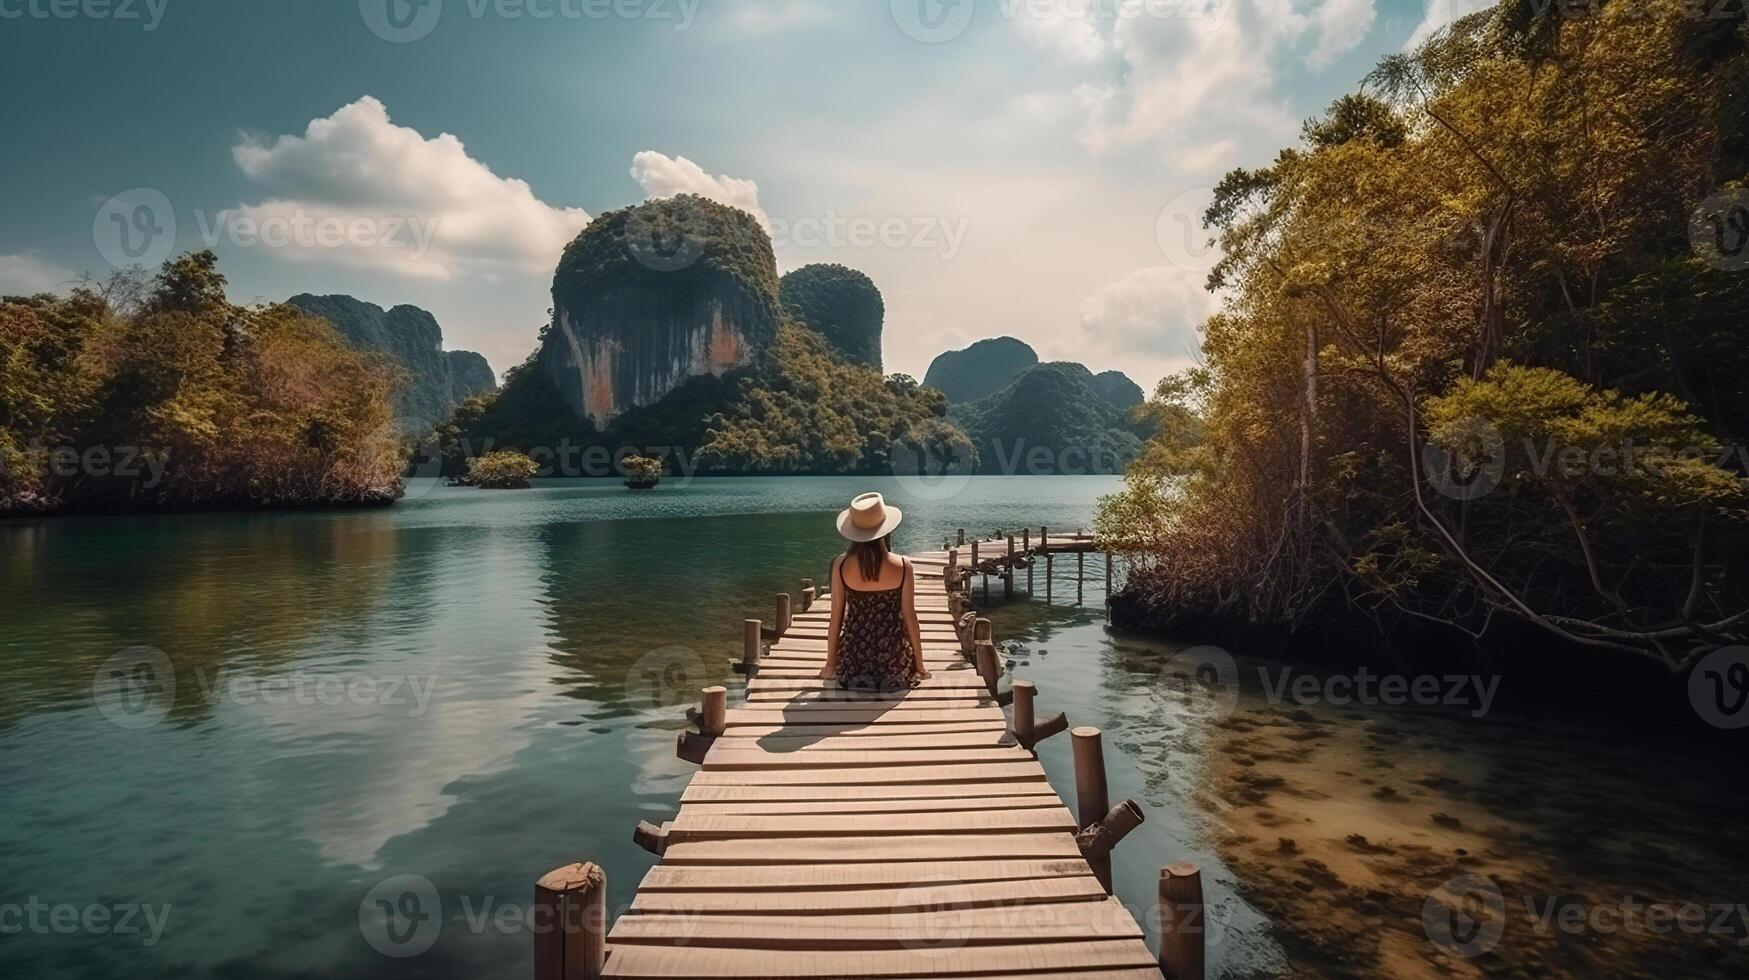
840,304
1054,418
437,380
980,370
1117,388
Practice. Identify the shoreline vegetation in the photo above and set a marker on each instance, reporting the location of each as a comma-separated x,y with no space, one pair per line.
1480,366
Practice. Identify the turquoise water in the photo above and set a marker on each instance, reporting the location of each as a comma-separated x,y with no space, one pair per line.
473,688
540,645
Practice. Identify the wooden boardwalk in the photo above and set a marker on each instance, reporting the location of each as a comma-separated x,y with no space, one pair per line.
831,834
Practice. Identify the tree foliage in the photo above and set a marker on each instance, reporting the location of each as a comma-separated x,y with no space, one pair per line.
1450,315
187,401
840,304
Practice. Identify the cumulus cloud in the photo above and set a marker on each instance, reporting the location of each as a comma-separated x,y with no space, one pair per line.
1153,312
25,275
1439,13
1190,80
1068,30
663,176
355,188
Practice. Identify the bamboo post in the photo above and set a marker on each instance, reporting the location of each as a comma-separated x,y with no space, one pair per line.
1182,922
570,916
1091,802
783,613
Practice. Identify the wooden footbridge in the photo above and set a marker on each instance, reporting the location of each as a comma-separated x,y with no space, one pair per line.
834,834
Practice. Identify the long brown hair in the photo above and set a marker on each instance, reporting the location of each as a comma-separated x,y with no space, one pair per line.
869,557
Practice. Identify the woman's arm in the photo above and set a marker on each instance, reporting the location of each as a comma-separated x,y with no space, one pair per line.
831,669
912,626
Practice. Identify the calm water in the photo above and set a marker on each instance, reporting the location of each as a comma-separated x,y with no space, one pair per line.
475,688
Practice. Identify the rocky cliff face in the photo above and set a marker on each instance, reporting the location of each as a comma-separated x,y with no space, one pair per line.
650,296
437,380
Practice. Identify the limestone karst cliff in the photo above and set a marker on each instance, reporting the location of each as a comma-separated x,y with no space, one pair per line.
840,304
650,296
436,380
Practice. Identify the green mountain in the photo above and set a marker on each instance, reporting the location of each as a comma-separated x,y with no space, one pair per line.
647,297
436,380
840,304
668,340
980,370
1117,388
1055,418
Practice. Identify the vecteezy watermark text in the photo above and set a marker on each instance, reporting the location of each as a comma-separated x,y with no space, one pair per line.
148,13
1469,915
1475,692
38,917
404,21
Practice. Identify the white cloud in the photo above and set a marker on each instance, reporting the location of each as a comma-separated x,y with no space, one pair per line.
766,18
357,169
25,275
1067,29
1438,14
663,176
1342,24
1192,80
1153,312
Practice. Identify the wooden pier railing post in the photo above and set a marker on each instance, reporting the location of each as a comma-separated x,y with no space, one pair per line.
1028,730
570,914
1183,931
960,537
784,617
1026,539
988,667
808,594
1008,576
712,720
1091,802
1080,576
751,645
1108,578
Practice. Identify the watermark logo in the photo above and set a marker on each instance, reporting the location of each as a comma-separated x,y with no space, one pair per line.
933,21
1475,469
401,21
401,916
1719,688
666,677
929,469
128,919
418,440
924,914
135,227
668,237
1465,916
135,688
1205,676
1183,238
1719,230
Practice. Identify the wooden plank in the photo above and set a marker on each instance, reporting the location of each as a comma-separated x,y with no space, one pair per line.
904,930
805,717
992,772
830,850
674,963
695,825
706,792
989,727
790,741
733,756
811,898
664,877
947,803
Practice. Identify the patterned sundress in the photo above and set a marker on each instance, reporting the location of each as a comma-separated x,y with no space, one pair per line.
874,646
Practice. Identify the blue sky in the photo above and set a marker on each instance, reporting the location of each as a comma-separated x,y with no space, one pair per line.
1005,167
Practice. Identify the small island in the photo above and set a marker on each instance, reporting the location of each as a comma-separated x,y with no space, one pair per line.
642,472
502,470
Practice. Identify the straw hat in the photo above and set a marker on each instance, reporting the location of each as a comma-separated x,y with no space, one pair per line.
868,518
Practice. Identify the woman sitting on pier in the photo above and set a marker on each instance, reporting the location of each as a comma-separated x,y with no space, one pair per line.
875,642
